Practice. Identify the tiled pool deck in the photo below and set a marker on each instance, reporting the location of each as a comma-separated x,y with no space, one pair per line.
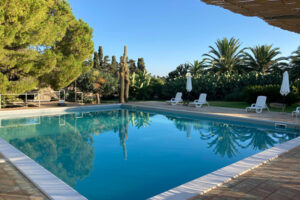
14,186
275,180
277,174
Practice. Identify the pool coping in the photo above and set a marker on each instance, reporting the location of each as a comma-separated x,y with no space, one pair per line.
55,189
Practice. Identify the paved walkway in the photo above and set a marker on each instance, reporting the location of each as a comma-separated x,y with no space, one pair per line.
14,186
234,112
279,179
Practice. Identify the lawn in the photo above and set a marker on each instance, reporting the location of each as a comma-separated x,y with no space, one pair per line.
242,105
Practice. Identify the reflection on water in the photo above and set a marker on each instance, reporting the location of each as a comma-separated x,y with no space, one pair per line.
65,144
225,138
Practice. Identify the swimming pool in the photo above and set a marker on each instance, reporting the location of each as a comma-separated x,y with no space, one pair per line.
134,154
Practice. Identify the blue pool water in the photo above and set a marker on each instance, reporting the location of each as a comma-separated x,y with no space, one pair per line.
128,155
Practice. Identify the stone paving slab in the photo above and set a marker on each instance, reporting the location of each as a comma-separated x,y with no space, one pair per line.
14,186
278,179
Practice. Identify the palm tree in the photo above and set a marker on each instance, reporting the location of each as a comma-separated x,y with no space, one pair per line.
295,65
262,58
180,71
227,57
197,67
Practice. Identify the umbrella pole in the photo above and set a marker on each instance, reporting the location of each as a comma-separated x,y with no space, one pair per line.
284,103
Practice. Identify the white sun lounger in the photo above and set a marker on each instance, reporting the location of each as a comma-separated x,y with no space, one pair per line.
176,100
259,105
201,101
61,103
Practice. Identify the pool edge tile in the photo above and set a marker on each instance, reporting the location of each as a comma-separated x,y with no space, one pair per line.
38,176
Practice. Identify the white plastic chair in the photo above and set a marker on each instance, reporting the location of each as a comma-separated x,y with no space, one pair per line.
296,112
176,100
259,105
201,101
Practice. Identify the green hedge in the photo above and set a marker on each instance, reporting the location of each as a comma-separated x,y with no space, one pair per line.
272,92
224,86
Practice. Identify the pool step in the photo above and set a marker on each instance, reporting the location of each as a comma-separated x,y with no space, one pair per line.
280,126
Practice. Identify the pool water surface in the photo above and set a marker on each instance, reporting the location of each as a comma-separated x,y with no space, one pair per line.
134,154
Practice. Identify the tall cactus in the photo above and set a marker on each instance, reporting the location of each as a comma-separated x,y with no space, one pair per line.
124,77
122,80
126,74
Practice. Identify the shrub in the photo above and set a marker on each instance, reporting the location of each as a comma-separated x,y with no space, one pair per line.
235,95
89,100
143,89
272,92
70,96
218,86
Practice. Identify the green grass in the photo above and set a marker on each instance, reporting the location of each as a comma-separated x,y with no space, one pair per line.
229,104
242,105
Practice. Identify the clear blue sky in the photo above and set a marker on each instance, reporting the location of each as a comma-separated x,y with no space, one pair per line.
171,32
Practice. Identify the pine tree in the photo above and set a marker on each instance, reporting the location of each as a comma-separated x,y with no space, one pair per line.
41,44
75,48
141,64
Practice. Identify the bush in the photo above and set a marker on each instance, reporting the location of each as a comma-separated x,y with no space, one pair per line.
70,96
146,87
236,95
224,86
272,92
89,100
297,85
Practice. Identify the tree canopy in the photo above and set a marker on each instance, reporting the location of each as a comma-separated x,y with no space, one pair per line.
141,64
295,65
263,58
226,57
41,44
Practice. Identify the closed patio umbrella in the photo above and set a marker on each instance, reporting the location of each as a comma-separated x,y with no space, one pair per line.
285,85
189,84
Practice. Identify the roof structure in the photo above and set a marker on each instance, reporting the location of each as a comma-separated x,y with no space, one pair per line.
281,13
